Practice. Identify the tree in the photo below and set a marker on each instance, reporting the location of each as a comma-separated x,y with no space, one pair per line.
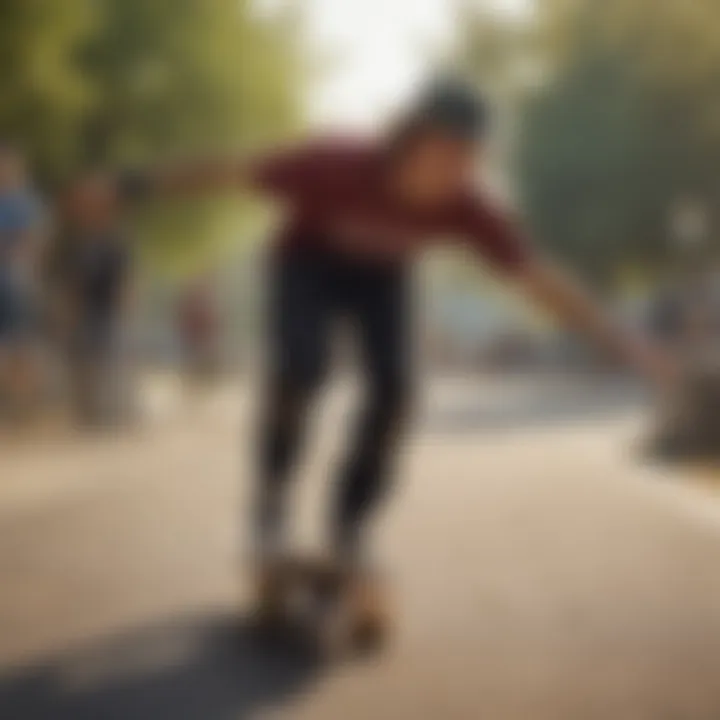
44,93
621,120
109,82
176,77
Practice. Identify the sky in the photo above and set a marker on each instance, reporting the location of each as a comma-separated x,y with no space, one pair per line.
378,51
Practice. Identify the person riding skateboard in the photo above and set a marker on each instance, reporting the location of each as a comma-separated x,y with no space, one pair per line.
359,212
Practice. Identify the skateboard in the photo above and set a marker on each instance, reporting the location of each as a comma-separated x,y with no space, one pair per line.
312,604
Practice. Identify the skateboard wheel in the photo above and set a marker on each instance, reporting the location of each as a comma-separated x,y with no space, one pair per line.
369,633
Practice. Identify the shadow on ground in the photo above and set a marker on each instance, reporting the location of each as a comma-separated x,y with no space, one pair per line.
190,670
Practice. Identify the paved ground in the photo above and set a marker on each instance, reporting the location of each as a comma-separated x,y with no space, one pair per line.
541,572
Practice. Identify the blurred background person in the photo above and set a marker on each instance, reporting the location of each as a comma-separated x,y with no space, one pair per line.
92,278
198,325
20,240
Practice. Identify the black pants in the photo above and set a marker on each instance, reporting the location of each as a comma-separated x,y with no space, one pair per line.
310,291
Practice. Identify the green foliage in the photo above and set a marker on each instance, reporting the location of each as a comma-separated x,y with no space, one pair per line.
44,93
185,76
108,82
621,122
178,76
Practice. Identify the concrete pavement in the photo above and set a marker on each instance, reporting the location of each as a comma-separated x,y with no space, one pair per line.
541,572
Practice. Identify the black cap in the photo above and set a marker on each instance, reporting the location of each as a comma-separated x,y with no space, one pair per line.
454,107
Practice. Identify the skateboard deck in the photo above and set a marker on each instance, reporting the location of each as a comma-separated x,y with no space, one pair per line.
310,603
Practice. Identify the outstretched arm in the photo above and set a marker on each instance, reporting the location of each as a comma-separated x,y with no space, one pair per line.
191,177
284,174
501,240
554,289
95,200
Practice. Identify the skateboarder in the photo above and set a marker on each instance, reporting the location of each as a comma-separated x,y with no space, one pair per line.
359,213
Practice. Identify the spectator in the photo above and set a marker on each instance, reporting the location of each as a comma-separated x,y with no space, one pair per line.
20,236
92,275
